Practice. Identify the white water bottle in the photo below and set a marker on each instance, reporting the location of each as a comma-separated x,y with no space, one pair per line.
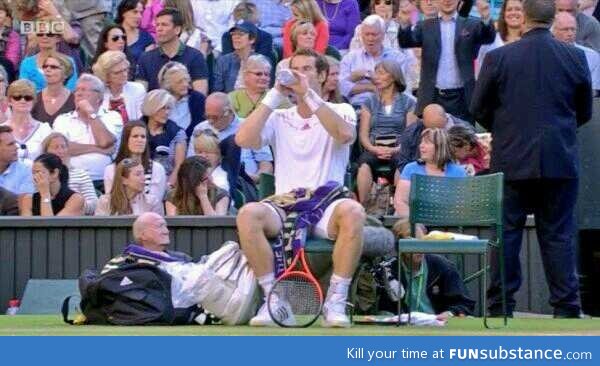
13,307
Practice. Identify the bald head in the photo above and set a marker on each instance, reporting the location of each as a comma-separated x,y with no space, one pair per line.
218,110
565,27
151,232
434,116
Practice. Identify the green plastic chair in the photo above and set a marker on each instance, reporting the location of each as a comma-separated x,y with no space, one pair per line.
266,185
239,199
457,202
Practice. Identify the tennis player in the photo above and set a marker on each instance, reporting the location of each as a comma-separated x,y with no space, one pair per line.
311,144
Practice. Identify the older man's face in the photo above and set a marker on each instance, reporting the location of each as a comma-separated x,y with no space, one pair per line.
156,234
567,6
372,38
565,29
216,114
86,91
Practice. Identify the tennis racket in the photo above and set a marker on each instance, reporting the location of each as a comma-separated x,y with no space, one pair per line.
299,288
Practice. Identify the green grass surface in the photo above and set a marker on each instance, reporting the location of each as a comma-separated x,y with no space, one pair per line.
53,325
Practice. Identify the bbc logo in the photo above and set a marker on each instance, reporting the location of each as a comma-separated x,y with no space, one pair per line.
42,26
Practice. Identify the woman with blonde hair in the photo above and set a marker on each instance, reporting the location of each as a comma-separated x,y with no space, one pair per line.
167,140
257,77
206,145
28,132
123,96
195,193
302,11
127,195
304,37
55,99
435,160
79,180
188,109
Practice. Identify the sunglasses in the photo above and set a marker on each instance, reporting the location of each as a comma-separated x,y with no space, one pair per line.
386,2
206,131
129,162
116,38
50,35
53,67
27,98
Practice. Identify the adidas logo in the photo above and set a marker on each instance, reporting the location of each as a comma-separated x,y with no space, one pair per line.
126,281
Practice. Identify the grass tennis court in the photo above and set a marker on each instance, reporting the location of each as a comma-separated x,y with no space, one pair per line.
53,325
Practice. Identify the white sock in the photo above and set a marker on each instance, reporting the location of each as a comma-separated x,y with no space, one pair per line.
339,286
266,283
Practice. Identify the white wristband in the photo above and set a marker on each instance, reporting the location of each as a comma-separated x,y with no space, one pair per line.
312,100
273,99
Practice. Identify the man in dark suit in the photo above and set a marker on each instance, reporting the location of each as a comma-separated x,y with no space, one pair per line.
450,44
532,95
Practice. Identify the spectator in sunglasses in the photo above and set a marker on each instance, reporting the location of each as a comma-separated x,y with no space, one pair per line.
113,38
123,96
195,193
55,99
53,196
30,66
127,195
28,132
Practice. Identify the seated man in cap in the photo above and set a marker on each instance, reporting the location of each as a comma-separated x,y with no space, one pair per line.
226,78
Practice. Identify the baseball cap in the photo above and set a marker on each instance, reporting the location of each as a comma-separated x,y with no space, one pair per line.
246,27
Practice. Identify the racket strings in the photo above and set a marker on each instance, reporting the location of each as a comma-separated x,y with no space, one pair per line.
301,293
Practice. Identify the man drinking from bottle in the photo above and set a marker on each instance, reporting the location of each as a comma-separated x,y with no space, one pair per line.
311,144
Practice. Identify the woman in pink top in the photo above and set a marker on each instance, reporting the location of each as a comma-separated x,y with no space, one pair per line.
10,43
151,9
306,10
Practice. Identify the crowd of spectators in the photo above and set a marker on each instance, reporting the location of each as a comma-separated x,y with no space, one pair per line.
160,81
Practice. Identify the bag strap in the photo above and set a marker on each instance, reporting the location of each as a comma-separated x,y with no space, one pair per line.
65,309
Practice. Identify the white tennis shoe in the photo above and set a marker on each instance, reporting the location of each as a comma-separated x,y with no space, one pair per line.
334,312
281,309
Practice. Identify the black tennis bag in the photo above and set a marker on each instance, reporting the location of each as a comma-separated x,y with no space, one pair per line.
134,294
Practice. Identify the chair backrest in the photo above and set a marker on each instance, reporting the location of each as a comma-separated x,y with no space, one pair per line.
470,201
266,185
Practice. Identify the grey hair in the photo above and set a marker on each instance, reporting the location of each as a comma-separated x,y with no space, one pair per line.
168,71
539,12
98,85
257,61
375,20
155,100
392,66
107,61
223,98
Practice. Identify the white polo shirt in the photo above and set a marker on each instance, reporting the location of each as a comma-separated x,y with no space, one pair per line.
305,154
80,132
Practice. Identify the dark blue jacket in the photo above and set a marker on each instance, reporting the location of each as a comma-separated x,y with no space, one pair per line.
196,103
532,95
